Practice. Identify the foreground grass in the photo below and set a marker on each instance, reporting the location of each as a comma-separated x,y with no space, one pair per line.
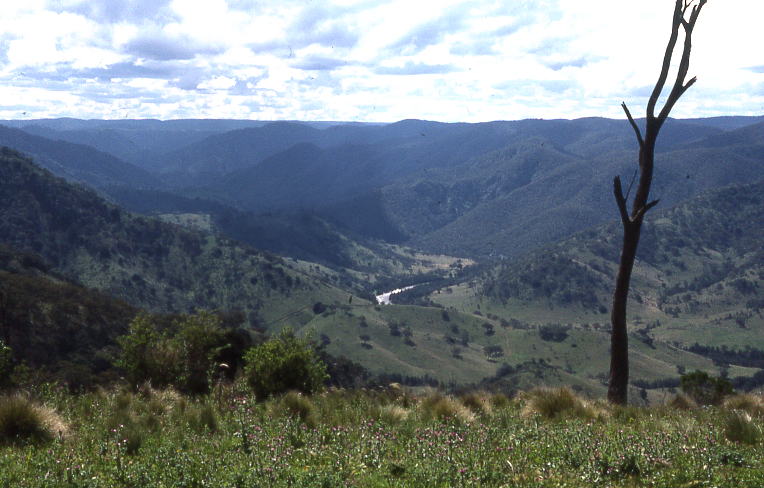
390,439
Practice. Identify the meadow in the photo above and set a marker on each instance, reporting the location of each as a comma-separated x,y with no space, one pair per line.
373,438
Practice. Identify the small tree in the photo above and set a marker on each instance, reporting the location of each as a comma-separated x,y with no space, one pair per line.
141,355
282,364
632,222
182,354
200,340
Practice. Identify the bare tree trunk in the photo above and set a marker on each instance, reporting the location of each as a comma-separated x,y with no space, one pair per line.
632,222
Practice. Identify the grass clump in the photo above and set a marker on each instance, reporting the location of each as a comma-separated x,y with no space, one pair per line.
500,401
560,403
438,406
295,404
202,418
747,402
21,419
478,402
739,427
392,414
682,402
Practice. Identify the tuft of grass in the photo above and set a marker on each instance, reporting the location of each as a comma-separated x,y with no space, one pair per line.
627,413
201,418
131,436
23,420
739,427
479,402
500,400
123,400
561,403
682,402
747,402
438,406
297,405
392,414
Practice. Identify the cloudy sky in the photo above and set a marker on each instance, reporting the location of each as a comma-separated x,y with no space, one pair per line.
366,60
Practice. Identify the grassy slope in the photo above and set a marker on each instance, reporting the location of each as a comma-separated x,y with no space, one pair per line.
378,440
696,282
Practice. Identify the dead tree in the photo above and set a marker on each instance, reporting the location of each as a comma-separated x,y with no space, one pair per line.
632,222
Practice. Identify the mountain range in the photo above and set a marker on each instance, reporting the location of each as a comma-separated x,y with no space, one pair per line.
477,190
506,228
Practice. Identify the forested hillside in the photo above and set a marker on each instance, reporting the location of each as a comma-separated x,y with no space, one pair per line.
149,263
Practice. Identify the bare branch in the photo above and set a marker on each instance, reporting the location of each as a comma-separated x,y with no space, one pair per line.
631,183
633,124
652,204
676,21
620,200
642,211
684,65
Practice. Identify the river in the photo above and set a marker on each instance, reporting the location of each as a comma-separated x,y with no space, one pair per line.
384,299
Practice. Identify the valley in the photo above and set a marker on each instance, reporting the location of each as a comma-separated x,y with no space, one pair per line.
498,239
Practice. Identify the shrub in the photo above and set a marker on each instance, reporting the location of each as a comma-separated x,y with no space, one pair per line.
553,332
142,356
23,420
282,364
200,339
559,403
182,354
705,389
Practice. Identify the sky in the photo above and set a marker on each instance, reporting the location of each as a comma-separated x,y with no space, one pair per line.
368,61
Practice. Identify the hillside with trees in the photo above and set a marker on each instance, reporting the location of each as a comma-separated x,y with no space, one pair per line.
151,264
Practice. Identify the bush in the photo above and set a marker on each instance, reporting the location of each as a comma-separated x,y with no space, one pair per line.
182,354
553,332
283,364
23,420
143,358
705,389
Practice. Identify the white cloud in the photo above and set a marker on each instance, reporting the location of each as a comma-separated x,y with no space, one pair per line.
367,59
